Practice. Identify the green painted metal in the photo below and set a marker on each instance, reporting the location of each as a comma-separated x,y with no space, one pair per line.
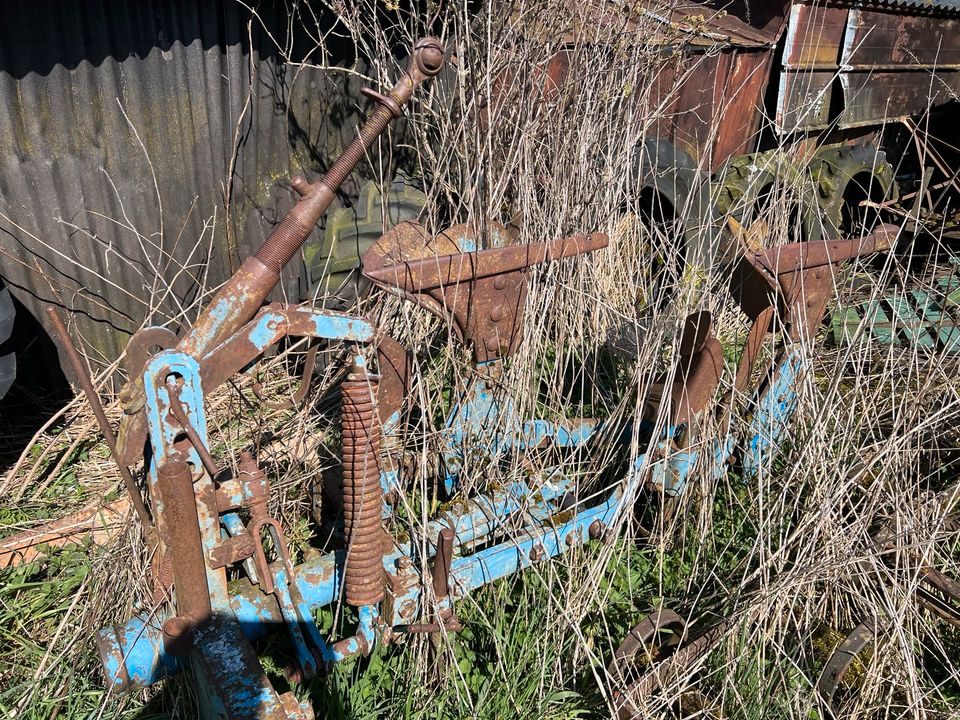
926,319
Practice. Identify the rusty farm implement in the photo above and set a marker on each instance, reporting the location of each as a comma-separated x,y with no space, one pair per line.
205,522
223,578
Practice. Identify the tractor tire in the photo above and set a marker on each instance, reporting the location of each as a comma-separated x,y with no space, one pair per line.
770,199
333,265
846,177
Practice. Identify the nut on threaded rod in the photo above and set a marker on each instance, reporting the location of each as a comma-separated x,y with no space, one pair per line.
428,56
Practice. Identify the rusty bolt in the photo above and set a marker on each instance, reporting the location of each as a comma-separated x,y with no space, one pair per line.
428,54
496,315
402,562
537,552
596,530
500,282
571,539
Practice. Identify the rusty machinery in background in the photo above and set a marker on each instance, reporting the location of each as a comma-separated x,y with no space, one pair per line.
831,107
823,102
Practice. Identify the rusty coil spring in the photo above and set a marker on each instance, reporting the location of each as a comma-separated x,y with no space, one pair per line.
362,493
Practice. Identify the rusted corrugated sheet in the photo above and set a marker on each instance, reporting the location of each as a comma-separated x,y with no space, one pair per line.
121,123
709,97
811,52
847,67
938,7
894,65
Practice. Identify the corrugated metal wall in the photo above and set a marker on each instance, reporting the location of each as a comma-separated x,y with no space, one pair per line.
120,123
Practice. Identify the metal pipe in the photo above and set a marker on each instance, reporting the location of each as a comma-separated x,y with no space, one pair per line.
175,484
240,298
83,378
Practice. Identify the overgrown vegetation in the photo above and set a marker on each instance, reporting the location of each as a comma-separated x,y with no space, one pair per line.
788,555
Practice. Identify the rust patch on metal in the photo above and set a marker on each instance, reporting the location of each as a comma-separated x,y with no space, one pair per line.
698,371
751,351
482,292
841,659
394,364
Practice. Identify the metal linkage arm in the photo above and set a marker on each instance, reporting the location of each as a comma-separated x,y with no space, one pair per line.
270,326
243,294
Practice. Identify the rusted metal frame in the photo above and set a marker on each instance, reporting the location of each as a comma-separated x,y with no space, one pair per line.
941,595
168,375
83,378
136,650
267,329
674,666
174,389
252,488
944,603
482,293
797,278
190,527
641,638
172,377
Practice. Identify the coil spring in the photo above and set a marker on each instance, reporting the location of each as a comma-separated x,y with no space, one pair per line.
362,493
